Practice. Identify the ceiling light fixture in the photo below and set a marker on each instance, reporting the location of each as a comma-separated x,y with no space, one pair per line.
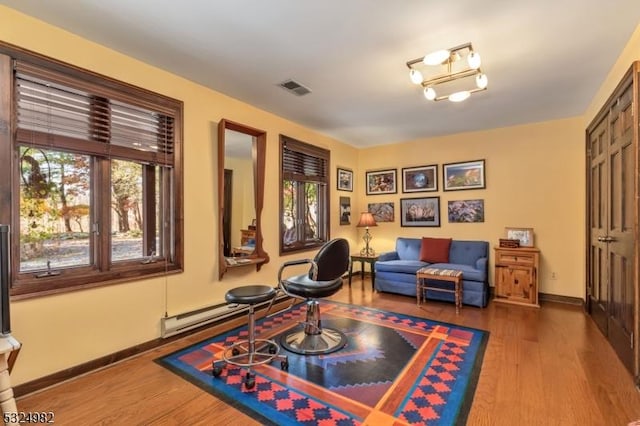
448,69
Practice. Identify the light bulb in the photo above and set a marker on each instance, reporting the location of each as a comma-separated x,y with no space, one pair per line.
482,81
415,76
429,93
474,60
459,96
437,57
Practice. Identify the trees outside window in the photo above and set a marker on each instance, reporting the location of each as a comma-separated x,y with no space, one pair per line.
95,181
304,195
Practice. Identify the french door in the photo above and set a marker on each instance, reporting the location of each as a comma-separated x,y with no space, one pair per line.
612,188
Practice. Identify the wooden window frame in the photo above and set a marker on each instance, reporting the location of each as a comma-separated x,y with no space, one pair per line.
101,271
321,177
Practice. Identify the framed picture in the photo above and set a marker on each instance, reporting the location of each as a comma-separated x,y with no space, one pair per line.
345,211
459,176
466,211
345,180
381,182
382,212
420,179
420,211
525,235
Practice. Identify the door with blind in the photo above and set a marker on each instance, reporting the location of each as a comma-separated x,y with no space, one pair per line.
612,156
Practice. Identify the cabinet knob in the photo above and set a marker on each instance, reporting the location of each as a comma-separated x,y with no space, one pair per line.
515,281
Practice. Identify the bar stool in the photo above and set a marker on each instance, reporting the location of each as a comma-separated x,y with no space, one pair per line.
250,352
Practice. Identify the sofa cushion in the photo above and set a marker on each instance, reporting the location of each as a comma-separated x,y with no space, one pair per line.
408,248
435,250
403,266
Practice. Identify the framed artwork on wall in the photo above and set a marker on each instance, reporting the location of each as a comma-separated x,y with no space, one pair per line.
466,211
420,179
460,176
420,211
345,210
381,182
525,235
382,212
345,180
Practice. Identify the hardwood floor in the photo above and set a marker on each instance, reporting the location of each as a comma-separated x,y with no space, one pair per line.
547,366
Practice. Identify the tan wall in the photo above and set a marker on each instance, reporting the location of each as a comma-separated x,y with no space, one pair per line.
62,331
243,207
534,179
630,53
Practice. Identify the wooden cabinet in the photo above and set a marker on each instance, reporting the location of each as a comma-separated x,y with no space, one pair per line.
516,275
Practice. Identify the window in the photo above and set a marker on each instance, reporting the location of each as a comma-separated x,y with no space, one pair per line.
304,195
97,177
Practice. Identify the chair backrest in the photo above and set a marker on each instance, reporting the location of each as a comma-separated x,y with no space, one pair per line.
332,260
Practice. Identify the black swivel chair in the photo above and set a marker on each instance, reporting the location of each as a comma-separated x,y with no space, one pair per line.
323,280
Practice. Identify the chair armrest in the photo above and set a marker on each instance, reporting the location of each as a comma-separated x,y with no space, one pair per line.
390,255
314,267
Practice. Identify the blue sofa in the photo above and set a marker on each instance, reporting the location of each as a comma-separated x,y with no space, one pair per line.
396,270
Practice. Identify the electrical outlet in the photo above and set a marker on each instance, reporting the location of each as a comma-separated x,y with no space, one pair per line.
554,276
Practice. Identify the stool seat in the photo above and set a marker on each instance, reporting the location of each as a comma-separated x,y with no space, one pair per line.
250,294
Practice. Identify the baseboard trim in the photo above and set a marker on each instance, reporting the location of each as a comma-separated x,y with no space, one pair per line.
77,370
546,297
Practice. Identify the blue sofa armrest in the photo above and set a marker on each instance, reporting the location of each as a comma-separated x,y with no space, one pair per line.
481,264
390,255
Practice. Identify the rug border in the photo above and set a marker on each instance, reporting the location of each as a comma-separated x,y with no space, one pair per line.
459,419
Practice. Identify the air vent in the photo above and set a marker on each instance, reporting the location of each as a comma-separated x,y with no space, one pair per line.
295,87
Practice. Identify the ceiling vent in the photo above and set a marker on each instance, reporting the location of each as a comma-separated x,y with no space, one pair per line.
295,87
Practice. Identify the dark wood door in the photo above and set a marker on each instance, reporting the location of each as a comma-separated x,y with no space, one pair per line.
611,290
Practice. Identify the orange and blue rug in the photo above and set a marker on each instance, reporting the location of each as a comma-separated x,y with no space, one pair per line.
395,370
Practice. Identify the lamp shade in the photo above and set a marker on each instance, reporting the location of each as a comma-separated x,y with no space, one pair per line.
366,219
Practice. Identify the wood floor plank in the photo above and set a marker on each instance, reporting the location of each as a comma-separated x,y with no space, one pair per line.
547,366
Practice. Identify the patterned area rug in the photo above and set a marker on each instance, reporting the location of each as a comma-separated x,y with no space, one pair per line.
395,370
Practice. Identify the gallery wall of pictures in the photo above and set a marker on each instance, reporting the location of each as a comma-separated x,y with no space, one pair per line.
425,211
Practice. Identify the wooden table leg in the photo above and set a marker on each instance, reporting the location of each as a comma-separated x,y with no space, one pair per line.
373,274
350,272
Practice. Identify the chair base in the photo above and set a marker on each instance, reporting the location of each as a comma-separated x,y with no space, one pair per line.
325,342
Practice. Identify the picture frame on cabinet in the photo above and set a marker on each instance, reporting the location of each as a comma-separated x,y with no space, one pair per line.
524,235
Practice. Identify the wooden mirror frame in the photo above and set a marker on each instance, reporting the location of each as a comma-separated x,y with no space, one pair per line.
259,256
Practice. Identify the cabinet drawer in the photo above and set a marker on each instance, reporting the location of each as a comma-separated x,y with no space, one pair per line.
516,258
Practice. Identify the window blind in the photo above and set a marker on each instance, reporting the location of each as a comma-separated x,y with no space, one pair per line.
54,113
303,162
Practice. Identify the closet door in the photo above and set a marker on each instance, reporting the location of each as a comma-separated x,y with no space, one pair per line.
612,214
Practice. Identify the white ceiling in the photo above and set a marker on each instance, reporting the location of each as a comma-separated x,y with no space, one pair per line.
545,59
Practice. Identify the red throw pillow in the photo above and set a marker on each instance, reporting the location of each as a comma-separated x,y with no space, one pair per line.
435,250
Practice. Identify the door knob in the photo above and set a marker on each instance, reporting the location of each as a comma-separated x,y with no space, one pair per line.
608,239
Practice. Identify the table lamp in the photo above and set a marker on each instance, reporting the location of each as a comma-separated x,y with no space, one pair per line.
366,220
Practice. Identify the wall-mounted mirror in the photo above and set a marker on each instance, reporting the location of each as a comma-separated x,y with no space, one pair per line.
241,160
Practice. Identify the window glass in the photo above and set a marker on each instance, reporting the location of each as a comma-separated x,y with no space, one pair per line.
55,211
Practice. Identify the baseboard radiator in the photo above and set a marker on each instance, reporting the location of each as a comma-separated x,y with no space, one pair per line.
209,315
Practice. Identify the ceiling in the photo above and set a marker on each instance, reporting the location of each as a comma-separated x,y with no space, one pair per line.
544,59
